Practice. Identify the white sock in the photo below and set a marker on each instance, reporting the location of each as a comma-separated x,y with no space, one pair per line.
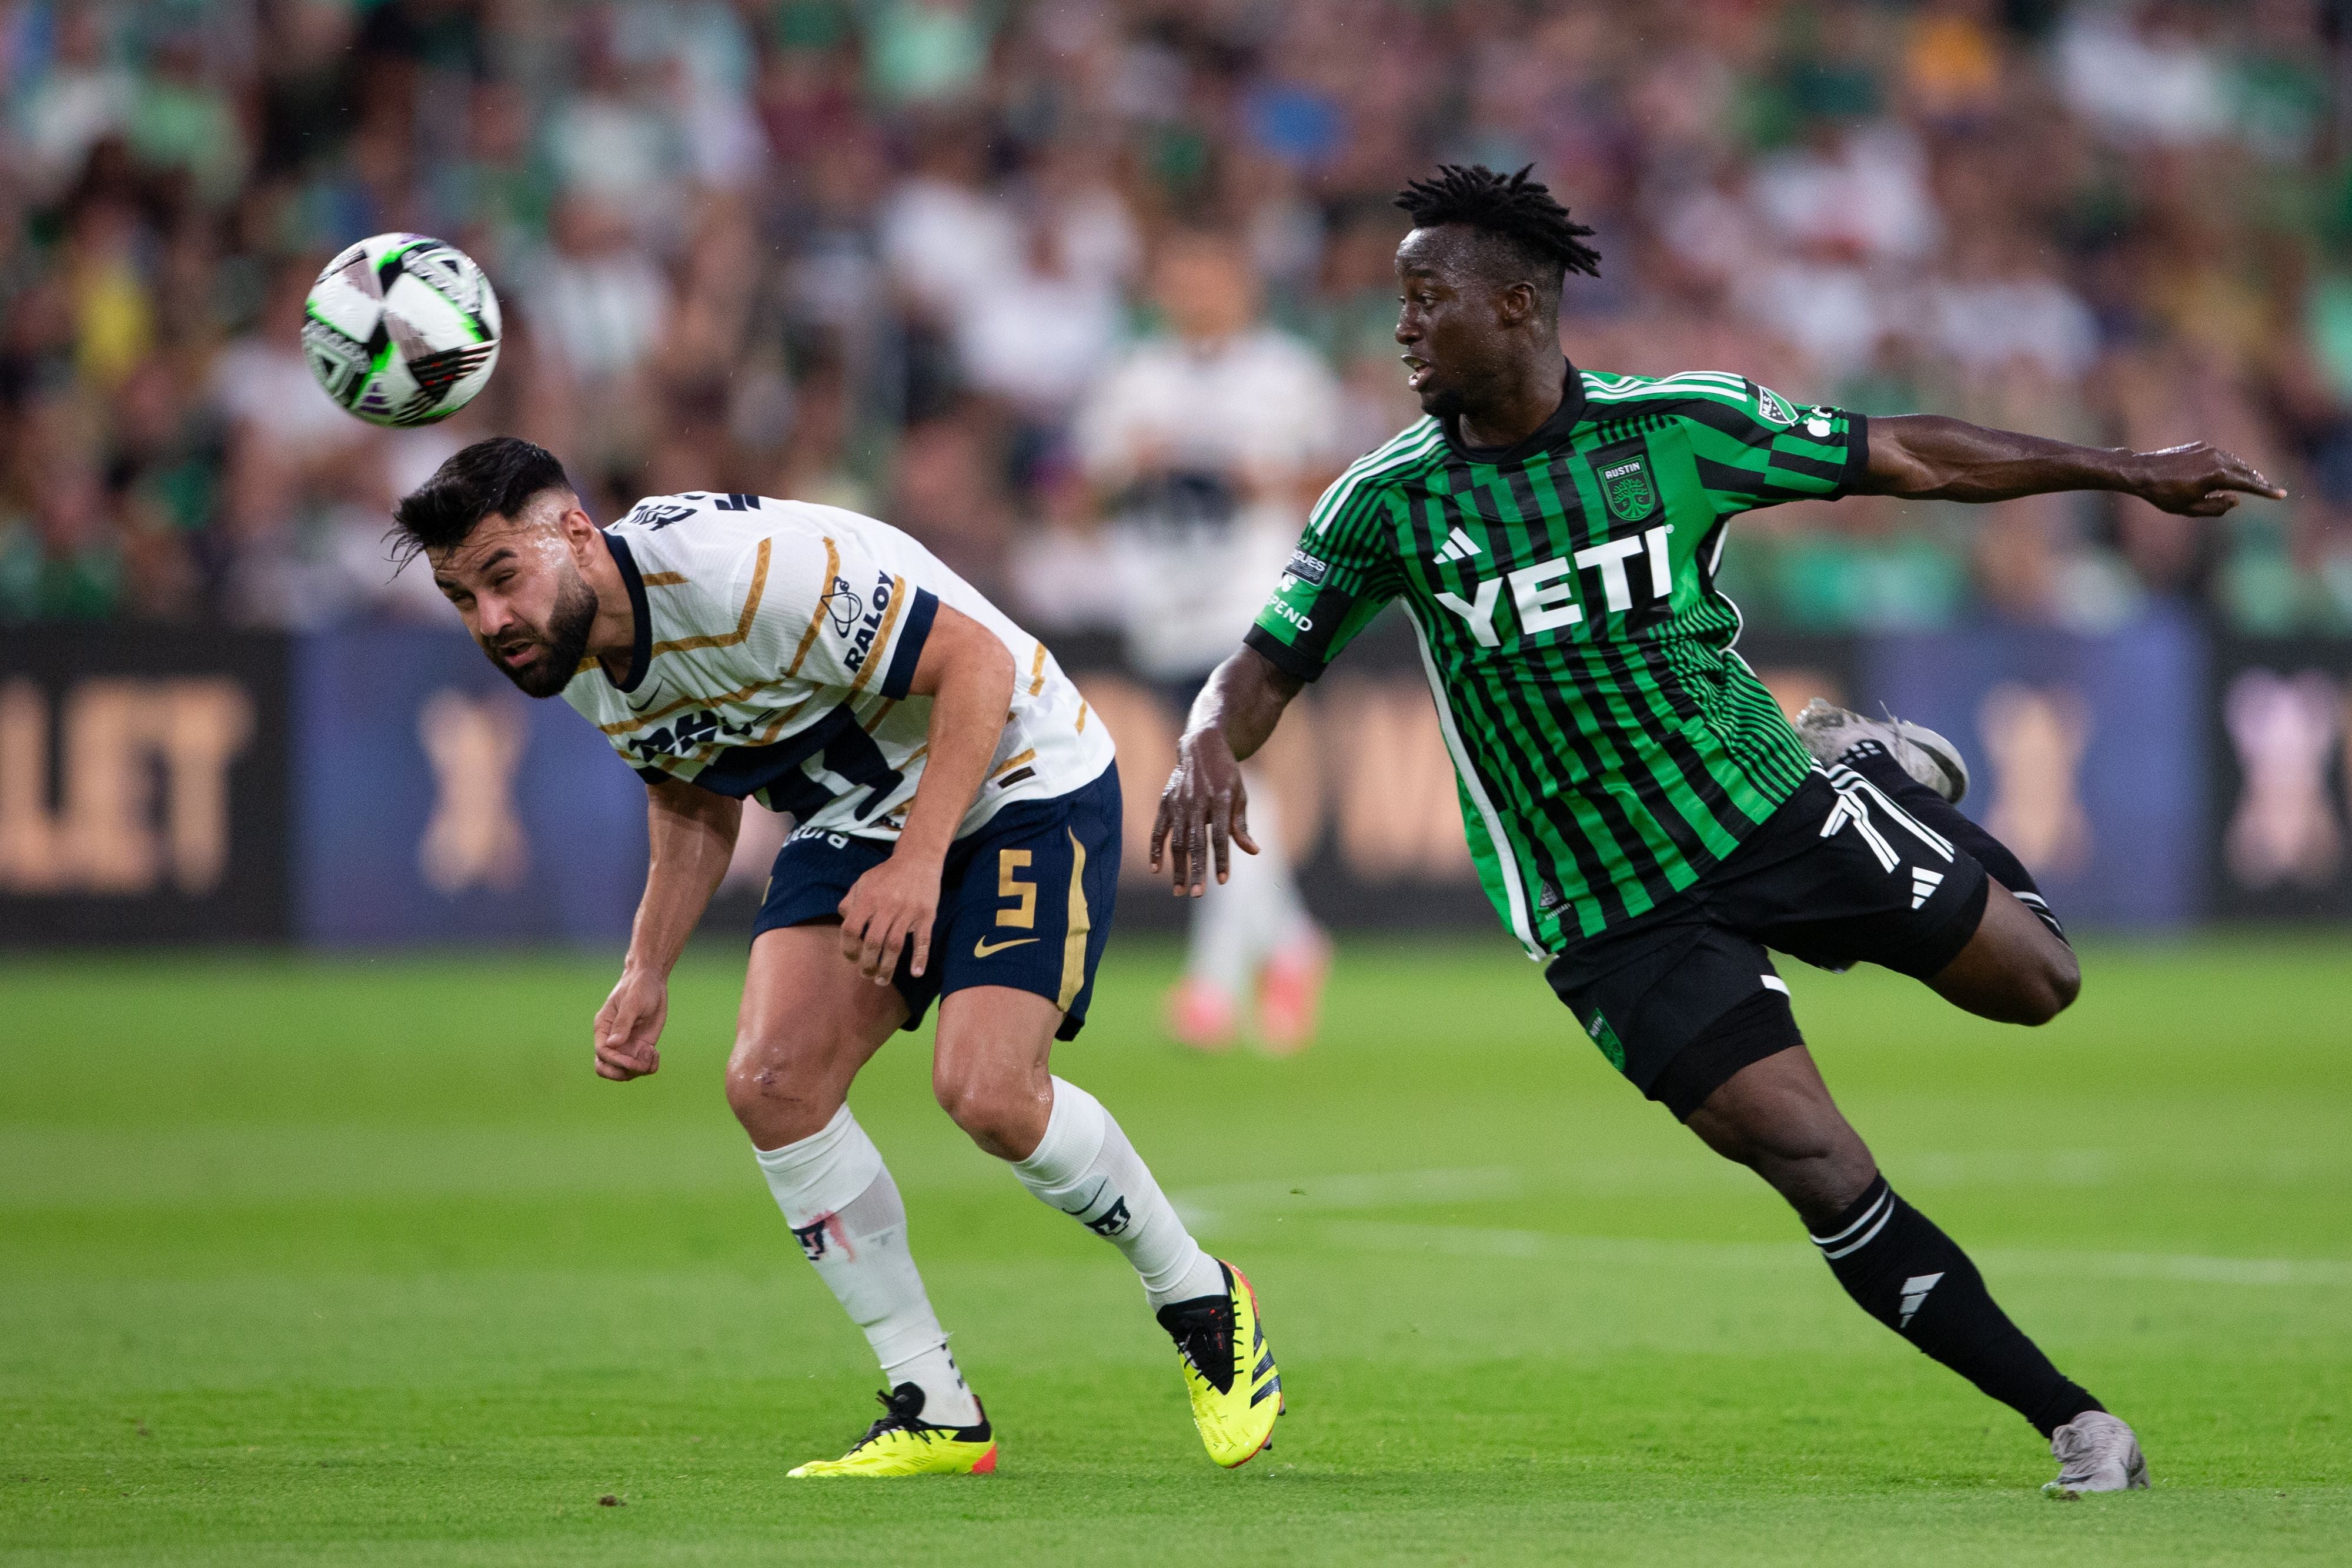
846,1212
1085,1166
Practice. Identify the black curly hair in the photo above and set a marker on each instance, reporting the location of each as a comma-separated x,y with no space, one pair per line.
1537,238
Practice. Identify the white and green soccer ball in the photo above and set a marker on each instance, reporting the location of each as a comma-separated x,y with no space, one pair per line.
402,329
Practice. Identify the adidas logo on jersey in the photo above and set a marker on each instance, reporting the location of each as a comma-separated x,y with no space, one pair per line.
1924,884
1458,546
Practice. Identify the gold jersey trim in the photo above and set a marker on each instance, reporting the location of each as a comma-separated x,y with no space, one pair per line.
750,608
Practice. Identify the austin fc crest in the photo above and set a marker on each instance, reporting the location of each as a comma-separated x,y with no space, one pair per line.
1627,486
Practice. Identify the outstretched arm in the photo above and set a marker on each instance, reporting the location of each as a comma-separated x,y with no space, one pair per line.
1205,804
1931,457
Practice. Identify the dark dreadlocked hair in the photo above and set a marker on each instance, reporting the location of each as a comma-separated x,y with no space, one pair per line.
1519,211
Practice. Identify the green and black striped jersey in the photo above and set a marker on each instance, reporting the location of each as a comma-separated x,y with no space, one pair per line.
1610,744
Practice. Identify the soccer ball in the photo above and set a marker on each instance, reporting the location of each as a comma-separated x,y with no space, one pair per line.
402,329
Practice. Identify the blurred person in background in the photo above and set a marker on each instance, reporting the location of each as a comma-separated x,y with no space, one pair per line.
63,561
2142,209
1206,443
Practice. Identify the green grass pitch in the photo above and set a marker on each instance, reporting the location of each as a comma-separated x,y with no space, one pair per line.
317,1262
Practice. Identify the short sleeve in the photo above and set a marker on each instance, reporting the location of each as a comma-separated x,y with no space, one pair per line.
820,608
1343,572
1757,450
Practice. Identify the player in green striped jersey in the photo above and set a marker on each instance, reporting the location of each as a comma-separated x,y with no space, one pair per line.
1641,813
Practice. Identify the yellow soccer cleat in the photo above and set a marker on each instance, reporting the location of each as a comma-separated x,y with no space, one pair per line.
903,1444
1228,1369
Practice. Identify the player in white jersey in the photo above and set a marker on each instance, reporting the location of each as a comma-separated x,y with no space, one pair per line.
956,839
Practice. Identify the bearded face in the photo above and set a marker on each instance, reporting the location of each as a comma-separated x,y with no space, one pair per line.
522,594
541,660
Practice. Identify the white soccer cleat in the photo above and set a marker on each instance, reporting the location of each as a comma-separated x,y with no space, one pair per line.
1830,732
2095,1452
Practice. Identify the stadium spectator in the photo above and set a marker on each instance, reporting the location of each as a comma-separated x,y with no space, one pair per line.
789,238
1206,445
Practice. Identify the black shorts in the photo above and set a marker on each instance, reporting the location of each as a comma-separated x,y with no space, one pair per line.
1024,902
1685,995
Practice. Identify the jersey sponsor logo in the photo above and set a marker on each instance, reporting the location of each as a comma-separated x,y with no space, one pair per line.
1819,422
838,841
870,626
701,728
1545,593
984,949
1305,568
1626,487
1281,607
843,607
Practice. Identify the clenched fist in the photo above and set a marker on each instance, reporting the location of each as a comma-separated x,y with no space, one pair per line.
629,1026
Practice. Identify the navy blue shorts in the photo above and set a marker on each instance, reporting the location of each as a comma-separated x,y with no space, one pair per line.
1026,902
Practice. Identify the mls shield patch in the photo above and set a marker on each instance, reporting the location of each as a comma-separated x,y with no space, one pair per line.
1625,486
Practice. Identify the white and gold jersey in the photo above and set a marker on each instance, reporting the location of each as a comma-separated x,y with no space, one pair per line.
775,643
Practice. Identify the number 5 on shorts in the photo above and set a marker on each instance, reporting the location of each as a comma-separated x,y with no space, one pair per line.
1009,885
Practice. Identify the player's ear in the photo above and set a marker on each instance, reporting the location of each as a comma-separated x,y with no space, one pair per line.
579,532
1515,303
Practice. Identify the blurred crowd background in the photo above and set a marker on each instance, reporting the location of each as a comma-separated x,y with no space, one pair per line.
1076,289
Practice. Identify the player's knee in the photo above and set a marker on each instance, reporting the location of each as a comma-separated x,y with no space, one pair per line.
1797,1143
2065,978
983,1109
2051,985
1781,1145
994,1113
771,1099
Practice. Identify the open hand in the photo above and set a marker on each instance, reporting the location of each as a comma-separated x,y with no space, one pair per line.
2198,481
629,1024
1204,810
887,908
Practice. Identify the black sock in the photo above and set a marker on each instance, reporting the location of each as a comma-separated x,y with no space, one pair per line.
1871,760
1910,1276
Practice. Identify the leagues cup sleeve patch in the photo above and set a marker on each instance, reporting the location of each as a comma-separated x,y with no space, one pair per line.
1306,567
1303,625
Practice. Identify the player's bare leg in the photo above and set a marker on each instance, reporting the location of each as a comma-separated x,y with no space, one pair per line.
2014,969
1776,1117
809,1021
991,1072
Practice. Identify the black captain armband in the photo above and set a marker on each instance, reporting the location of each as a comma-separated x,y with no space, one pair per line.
1294,662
